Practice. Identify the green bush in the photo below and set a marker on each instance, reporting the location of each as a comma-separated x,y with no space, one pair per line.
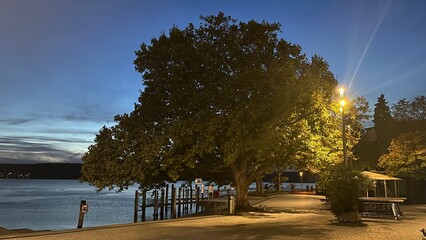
342,187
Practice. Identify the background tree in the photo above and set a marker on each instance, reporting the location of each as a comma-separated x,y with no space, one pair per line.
383,123
405,110
406,115
407,155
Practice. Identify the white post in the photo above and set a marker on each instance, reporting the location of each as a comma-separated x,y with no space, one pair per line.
386,191
366,189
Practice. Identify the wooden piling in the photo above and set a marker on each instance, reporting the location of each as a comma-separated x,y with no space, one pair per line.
197,198
83,210
157,202
182,201
173,201
136,207
143,205
167,199
187,200
202,197
179,200
162,205
190,196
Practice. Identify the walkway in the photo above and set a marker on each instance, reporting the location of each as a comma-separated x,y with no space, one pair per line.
296,217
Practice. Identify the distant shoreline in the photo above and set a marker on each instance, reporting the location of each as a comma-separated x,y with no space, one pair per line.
40,171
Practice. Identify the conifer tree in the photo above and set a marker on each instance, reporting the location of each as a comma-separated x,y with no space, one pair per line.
383,123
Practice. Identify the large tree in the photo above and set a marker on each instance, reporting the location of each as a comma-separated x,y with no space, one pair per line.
223,95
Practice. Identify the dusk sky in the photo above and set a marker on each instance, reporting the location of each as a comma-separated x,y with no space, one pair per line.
66,66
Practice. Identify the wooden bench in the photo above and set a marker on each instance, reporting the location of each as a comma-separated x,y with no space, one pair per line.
381,207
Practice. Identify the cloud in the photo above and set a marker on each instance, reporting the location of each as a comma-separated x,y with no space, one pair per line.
68,131
15,121
36,150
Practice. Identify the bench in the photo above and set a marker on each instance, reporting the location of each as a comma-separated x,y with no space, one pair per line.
381,207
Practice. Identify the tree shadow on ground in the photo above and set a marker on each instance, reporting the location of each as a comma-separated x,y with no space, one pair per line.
256,231
348,224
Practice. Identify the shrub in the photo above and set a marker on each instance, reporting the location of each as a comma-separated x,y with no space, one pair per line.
342,187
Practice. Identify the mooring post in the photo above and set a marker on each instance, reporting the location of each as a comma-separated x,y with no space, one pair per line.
135,214
190,196
173,201
184,200
156,204
188,201
162,205
197,198
143,205
167,199
202,197
179,200
84,208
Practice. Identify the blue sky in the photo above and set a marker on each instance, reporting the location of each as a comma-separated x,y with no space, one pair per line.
66,66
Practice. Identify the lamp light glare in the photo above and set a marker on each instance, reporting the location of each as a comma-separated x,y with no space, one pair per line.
342,92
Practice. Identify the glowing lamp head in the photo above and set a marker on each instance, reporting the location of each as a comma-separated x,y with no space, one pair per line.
342,92
342,103
301,174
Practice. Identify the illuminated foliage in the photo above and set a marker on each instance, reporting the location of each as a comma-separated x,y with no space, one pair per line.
407,155
342,186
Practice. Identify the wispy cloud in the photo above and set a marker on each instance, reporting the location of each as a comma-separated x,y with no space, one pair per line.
36,149
15,121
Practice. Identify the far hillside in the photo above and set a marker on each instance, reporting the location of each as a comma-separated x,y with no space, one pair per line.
41,171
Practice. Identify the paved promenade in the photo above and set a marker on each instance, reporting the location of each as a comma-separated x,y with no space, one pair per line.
295,217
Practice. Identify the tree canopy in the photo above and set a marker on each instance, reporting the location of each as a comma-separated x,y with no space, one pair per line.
226,96
406,110
407,155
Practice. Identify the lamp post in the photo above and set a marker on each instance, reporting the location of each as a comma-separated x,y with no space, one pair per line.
342,104
301,180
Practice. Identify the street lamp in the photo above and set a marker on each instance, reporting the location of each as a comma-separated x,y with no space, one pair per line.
301,180
342,105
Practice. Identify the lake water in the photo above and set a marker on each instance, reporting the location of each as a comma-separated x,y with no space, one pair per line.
54,204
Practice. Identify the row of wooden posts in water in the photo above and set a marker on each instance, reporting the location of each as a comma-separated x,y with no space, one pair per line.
179,202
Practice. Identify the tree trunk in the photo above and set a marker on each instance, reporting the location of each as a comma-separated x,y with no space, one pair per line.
259,185
241,185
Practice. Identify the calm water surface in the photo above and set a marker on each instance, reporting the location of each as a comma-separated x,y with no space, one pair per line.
54,204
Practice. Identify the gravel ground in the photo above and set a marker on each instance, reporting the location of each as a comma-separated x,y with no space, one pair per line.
293,217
